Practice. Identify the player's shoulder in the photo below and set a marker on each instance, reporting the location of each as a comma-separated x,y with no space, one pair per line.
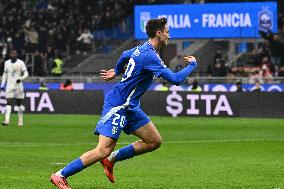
20,61
7,61
147,50
154,58
148,53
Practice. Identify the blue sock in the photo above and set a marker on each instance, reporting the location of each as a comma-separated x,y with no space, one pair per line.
124,153
72,168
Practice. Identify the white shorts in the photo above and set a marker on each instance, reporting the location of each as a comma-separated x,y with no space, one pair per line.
15,93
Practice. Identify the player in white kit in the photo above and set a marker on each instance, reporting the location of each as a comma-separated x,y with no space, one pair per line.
15,72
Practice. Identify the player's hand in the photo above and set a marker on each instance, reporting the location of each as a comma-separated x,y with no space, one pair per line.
190,59
107,74
18,81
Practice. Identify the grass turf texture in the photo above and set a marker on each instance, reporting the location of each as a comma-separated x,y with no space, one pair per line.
197,153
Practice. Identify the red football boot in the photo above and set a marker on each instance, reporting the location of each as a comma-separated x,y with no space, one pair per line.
108,169
59,181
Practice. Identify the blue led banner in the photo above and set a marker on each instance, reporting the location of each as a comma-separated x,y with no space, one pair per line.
222,20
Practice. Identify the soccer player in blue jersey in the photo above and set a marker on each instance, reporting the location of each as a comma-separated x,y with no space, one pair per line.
122,111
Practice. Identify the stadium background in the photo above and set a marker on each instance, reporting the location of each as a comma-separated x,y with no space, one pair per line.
206,144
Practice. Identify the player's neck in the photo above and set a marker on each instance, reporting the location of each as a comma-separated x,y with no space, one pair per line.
13,60
155,43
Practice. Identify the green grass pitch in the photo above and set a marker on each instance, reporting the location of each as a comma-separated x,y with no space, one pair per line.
221,153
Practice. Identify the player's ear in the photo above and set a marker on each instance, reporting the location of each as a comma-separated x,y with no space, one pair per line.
159,34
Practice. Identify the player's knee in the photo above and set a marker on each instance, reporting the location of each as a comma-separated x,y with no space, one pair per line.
157,143
104,152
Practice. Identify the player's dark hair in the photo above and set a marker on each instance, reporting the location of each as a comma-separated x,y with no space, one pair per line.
155,25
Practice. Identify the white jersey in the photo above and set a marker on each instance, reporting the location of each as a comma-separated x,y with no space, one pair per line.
13,72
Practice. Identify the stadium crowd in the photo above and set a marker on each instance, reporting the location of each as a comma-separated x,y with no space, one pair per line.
46,29
264,60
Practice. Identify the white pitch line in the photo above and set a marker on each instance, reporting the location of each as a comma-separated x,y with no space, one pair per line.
58,163
222,141
7,144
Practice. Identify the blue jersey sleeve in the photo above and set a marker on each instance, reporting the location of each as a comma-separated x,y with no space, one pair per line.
124,58
154,64
179,77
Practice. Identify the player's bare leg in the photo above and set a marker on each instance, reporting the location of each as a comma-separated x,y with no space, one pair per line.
150,141
20,116
20,112
8,110
103,149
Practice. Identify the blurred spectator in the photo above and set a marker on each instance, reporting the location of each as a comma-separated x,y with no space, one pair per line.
218,68
38,64
195,87
42,39
1,64
19,42
165,86
85,41
281,71
264,50
275,45
31,38
42,85
256,87
256,75
217,56
41,4
267,66
6,50
57,68
239,87
67,85
50,56
10,43
178,63
266,73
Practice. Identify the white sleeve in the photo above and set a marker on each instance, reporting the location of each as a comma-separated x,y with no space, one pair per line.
4,76
24,69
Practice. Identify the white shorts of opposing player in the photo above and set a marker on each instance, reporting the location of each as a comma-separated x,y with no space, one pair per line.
17,92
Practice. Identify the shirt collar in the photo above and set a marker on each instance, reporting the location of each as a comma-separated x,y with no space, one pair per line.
149,44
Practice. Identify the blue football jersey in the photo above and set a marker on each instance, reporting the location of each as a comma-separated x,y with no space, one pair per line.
143,64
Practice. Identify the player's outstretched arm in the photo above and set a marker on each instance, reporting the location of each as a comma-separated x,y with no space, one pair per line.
108,75
179,77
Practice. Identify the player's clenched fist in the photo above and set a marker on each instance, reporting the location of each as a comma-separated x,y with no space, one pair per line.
190,59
